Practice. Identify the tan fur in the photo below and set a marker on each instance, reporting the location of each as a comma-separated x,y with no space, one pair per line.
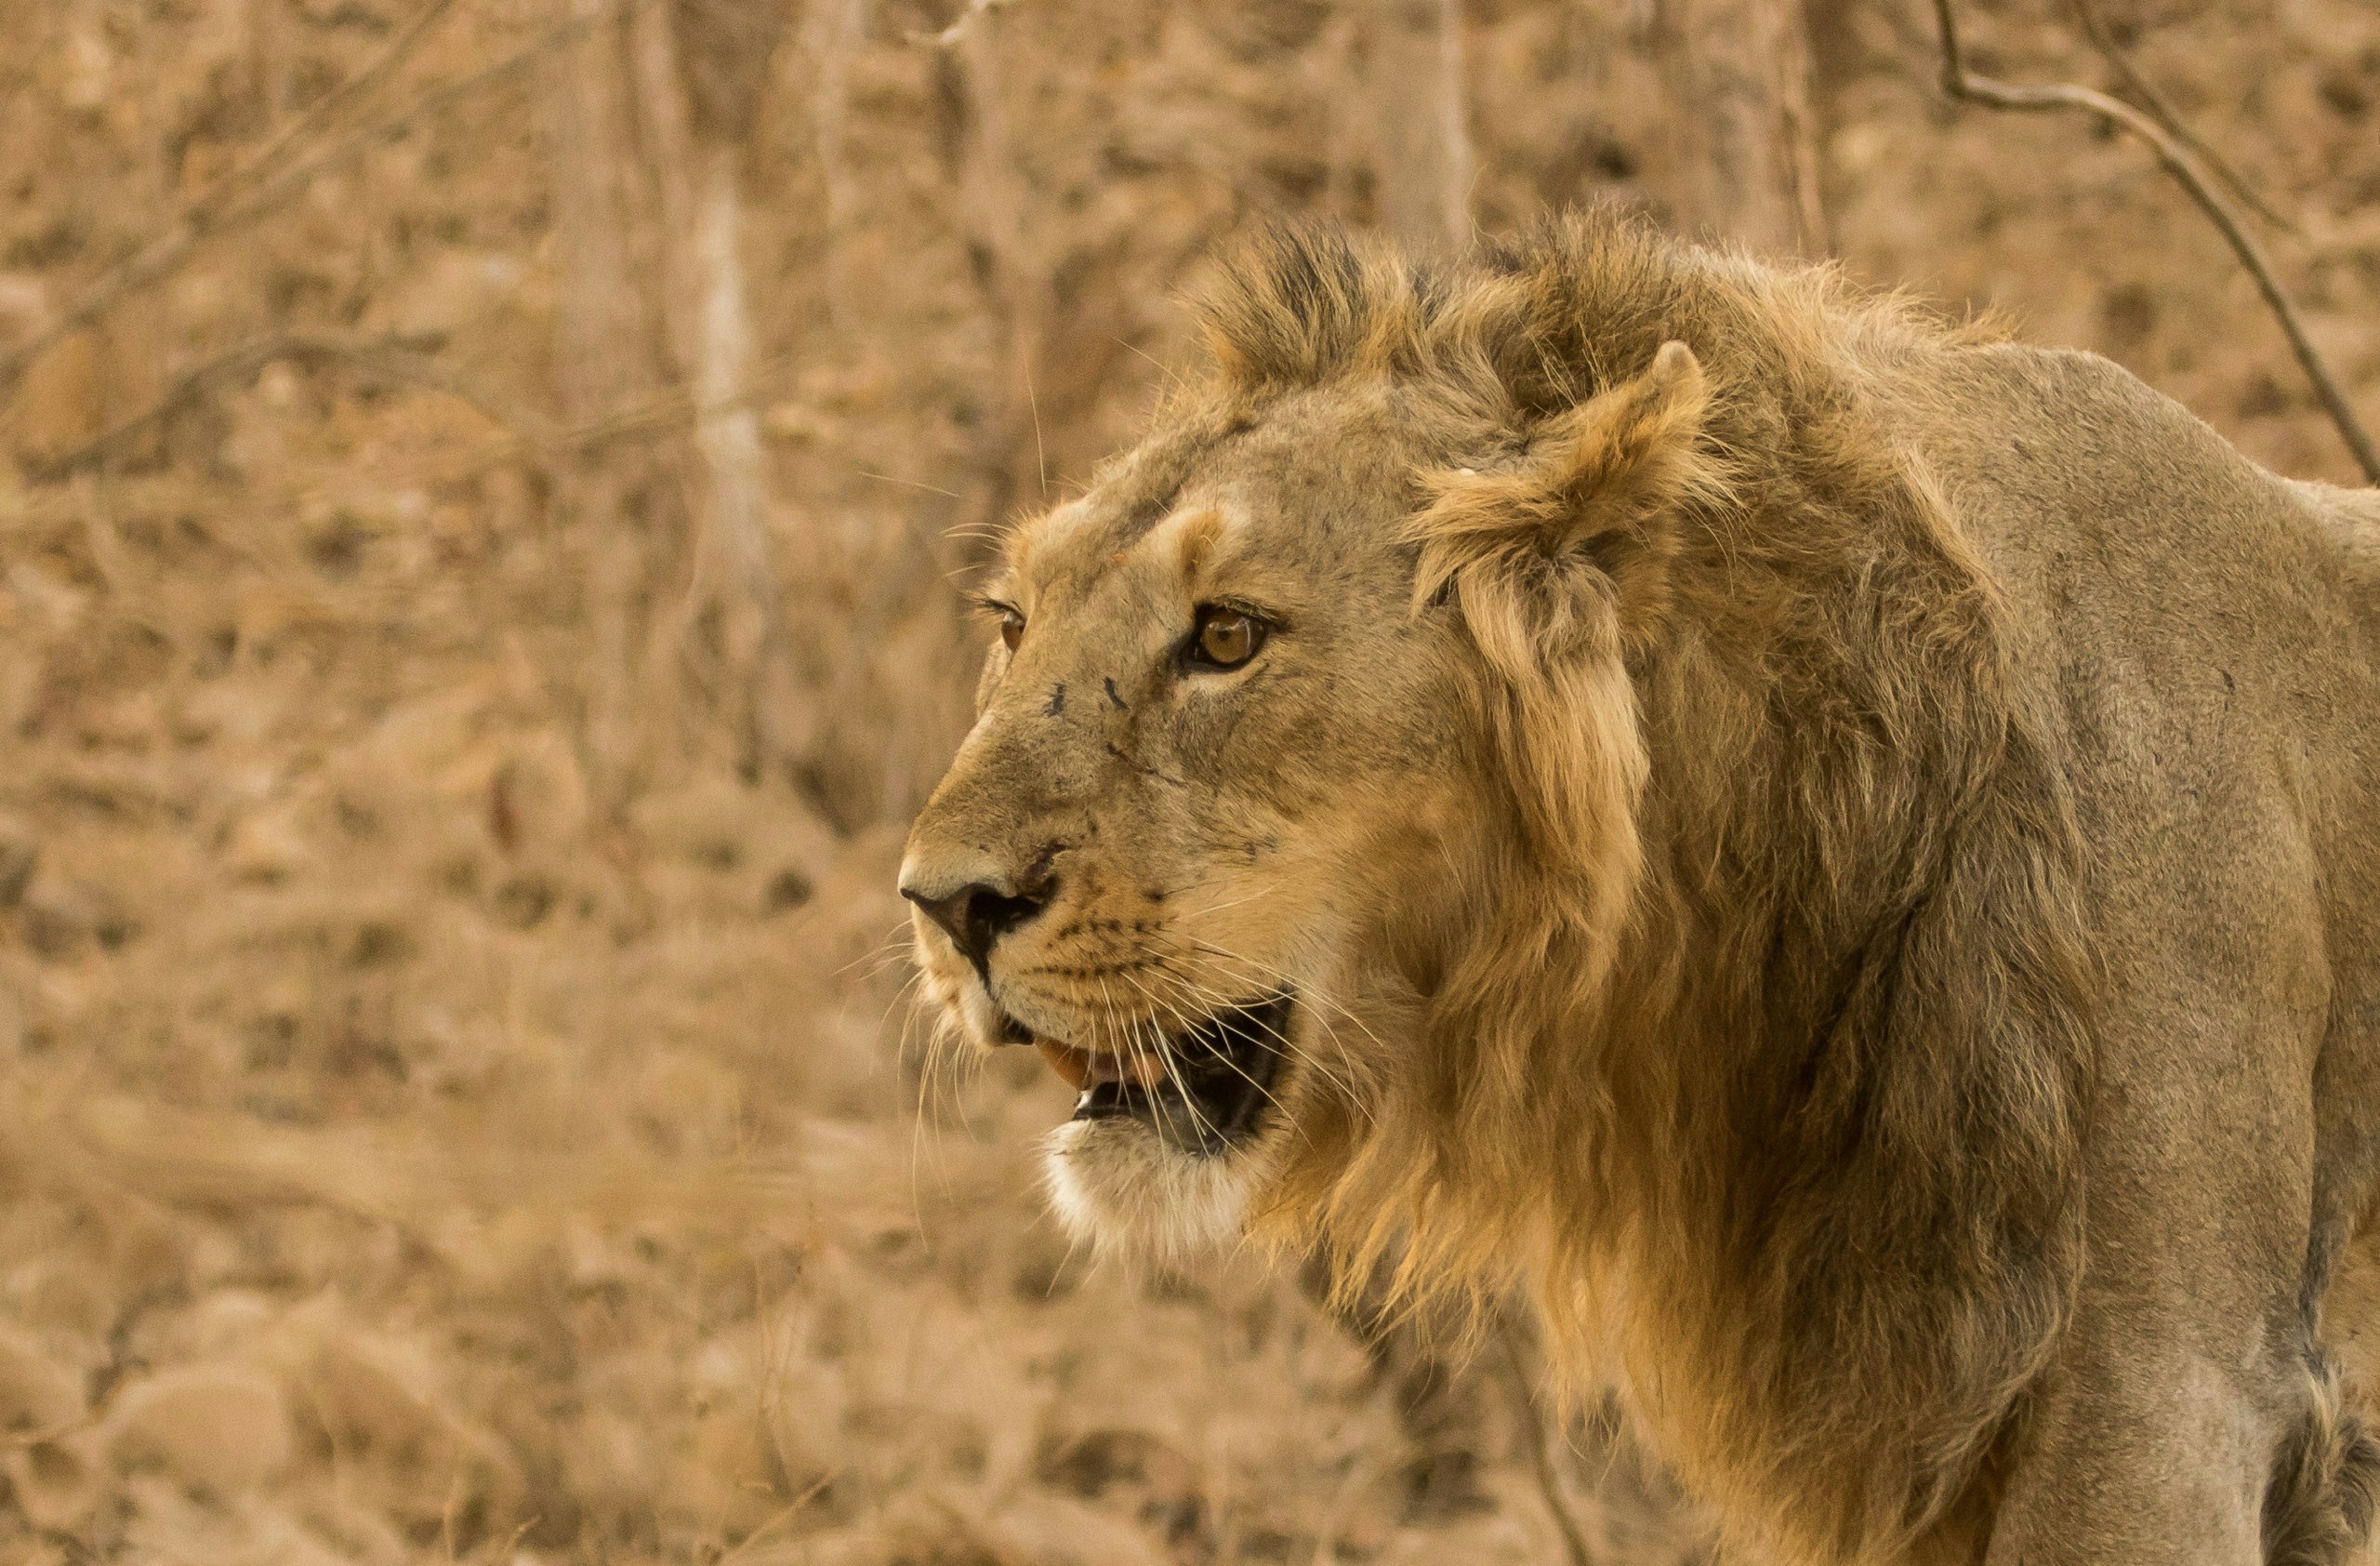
1731,894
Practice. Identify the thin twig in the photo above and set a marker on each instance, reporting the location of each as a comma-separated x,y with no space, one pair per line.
2184,166
672,409
1574,1538
317,114
161,251
780,1518
2162,109
164,253
666,412
378,355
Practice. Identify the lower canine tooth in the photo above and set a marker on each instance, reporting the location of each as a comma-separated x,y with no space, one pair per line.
1072,1064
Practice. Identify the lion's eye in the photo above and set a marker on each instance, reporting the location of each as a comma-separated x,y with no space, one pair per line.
1011,629
1225,638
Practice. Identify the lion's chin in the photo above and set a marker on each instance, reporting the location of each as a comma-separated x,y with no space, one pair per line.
1120,1189
1165,1150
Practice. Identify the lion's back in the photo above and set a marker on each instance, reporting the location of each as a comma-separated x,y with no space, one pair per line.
2200,636
2201,641
2179,612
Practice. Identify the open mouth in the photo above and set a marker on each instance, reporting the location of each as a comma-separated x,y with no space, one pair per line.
1202,1092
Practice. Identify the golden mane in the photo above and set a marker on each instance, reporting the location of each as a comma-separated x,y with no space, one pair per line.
1775,1021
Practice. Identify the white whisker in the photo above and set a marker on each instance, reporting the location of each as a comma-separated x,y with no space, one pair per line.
1189,1028
1305,992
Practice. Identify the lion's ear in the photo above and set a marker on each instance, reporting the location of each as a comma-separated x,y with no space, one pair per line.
1575,542
1559,568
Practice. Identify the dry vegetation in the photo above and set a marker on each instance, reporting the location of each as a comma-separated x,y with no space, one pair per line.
478,558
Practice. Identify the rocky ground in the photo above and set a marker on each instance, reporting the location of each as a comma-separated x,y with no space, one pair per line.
456,1093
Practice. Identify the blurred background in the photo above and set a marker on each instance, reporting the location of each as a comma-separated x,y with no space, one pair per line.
487,488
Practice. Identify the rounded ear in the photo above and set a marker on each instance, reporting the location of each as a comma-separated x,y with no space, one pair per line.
1586,523
1559,568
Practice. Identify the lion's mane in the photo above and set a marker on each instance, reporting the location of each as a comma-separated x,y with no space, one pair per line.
1767,1061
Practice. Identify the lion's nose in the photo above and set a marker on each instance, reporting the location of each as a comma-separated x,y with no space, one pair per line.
978,915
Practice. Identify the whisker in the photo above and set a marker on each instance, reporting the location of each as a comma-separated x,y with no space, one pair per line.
1316,991
884,951
1157,1123
873,963
1287,1046
1207,1132
1235,902
1188,1028
1346,1084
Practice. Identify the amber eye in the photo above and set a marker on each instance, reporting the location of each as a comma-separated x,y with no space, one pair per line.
1225,638
1011,629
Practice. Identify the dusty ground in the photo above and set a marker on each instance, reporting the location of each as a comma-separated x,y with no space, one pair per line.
453,1093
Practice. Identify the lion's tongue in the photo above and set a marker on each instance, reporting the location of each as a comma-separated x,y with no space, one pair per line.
1083,1069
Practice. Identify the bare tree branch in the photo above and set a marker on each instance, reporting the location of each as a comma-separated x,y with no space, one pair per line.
2190,174
1423,161
1738,73
380,356
270,182
2146,93
319,113
669,411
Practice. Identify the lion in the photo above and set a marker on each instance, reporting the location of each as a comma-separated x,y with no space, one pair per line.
1830,852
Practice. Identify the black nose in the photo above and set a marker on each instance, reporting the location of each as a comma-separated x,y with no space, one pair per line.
978,915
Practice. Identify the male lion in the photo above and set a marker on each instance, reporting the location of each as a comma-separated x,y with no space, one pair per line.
1833,855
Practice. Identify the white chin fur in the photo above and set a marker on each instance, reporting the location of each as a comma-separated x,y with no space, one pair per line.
1115,1188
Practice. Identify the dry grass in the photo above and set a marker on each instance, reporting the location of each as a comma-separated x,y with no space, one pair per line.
453,1102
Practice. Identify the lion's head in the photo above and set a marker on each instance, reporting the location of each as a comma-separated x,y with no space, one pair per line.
1280,719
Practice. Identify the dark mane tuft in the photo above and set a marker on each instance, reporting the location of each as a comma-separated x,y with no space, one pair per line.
1542,320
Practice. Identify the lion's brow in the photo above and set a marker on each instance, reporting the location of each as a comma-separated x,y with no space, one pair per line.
1149,510
1174,470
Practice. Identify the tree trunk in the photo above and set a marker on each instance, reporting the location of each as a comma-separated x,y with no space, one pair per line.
993,204
701,66
606,343
1738,76
1414,98
832,32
